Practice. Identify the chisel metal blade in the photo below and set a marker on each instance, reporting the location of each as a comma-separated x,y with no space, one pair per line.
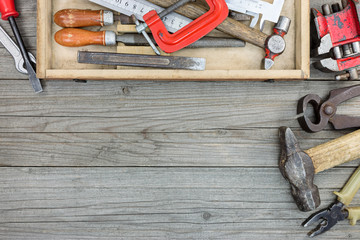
134,39
136,60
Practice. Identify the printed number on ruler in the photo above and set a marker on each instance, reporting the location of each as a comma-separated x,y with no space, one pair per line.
139,8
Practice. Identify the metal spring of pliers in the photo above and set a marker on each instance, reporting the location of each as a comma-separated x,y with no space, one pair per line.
325,111
338,211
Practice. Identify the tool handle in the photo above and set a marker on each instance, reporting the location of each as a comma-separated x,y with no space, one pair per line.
7,9
335,152
354,214
229,26
348,192
73,37
83,18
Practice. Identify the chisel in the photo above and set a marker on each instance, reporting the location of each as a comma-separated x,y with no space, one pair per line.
136,60
73,37
85,18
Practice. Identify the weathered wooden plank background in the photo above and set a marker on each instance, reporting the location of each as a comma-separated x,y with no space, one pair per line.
153,160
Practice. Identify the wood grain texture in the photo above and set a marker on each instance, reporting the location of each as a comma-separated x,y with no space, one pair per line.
335,152
153,160
156,203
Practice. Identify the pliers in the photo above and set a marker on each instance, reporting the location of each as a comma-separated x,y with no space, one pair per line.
325,111
337,211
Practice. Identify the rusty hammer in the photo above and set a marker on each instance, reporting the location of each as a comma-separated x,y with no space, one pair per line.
300,166
274,44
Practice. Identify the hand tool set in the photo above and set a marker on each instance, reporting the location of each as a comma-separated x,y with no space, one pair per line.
337,49
172,25
162,19
300,166
169,25
9,13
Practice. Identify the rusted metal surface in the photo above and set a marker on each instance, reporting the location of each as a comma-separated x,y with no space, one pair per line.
325,111
298,169
134,60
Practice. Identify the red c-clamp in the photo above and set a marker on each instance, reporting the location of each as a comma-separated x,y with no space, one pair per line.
190,33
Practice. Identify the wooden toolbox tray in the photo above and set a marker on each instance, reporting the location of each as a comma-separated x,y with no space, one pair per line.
58,62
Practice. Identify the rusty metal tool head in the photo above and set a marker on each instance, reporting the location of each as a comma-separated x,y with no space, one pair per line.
325,111
297,167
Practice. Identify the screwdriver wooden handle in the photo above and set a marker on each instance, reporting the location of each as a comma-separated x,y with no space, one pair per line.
74,37
229,26
83,18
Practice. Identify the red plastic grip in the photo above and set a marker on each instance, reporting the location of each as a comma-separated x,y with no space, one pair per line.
190,33
7,9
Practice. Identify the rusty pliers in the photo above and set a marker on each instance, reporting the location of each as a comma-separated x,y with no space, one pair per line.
337,211
325,111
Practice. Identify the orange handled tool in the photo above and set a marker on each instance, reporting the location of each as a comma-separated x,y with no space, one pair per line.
74,37
84,18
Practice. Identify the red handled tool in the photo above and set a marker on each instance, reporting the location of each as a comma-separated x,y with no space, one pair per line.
188,34
338,31
8,12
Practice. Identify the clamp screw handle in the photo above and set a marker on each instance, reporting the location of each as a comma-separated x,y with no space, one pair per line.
141,28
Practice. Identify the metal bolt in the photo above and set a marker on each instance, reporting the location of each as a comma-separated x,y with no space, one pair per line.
329,110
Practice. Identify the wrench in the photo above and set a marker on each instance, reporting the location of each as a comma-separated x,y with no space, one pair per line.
14,50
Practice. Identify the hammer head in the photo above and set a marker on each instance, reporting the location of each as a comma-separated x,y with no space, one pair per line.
298,169
275,44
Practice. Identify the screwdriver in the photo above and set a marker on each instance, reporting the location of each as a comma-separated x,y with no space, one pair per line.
8,12
85,18
74,37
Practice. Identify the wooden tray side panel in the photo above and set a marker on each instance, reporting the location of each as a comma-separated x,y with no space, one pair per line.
303,37
44,20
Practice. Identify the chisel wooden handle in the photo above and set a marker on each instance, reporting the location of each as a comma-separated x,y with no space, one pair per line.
83,18
229,26
74,37
335,152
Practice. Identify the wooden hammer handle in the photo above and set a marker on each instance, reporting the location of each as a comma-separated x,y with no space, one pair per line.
335,152
229,26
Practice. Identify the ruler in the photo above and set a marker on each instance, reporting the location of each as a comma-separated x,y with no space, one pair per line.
139,8
255,8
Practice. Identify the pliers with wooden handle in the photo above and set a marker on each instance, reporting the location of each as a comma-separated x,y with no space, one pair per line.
337,211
